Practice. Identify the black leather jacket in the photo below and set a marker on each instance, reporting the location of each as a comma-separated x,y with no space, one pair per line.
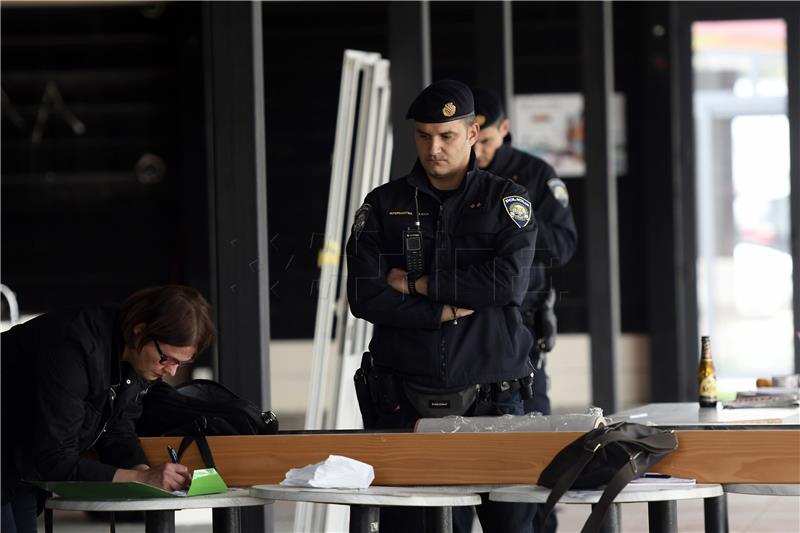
476,257
65,390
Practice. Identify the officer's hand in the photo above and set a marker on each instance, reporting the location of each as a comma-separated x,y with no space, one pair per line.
545,327
167,476
451,312
398,280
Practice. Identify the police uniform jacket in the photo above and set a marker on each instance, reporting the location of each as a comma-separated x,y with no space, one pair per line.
65,390
557,237
476,257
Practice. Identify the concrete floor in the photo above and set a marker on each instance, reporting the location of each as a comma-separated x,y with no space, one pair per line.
746,514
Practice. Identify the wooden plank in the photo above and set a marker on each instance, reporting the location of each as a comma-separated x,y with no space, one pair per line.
725,456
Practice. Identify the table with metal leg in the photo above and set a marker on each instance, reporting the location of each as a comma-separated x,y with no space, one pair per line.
365,503
159,513
689,415
661,501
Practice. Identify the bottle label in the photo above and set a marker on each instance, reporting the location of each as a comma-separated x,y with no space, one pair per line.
708,387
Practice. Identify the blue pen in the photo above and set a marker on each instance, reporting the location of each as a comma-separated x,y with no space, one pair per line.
172,454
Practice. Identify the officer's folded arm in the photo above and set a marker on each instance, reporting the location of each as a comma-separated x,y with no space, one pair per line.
373,299
497,282
398,280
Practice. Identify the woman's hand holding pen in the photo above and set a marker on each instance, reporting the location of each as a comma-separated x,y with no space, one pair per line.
167,476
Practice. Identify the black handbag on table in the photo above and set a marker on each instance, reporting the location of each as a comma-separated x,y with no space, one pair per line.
200,408
611,455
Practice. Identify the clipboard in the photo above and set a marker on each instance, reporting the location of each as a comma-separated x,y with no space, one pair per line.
204,481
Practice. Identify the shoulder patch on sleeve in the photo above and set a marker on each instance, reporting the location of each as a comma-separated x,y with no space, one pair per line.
519,209
559,190
360,219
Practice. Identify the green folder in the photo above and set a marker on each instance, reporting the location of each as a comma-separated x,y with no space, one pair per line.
204,481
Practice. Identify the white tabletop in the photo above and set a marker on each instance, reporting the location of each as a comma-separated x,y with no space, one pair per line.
232,498
376,496
537,494
691,414
767,489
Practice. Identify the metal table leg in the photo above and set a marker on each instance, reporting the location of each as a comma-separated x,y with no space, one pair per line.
612,522
439,519
48,520
364,519
716,514
226,520
663,516
159,521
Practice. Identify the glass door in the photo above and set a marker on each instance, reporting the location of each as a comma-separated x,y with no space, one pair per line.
742,153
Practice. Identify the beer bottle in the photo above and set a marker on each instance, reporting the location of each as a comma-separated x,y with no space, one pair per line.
706,376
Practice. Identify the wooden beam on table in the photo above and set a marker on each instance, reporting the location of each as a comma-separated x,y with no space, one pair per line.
724,456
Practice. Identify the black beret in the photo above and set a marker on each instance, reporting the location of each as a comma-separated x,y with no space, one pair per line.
488,107
442,101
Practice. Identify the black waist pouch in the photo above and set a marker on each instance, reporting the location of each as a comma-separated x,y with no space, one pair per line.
436,403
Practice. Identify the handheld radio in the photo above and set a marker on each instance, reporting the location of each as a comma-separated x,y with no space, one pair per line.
412,245
415,259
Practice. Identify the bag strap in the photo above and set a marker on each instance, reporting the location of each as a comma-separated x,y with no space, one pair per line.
197,435
624,475
564,483
660,442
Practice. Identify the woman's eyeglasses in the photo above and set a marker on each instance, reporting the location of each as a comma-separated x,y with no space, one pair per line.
165,359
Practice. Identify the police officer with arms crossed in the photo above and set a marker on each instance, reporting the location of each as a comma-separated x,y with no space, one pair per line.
556,240
73,379
439,262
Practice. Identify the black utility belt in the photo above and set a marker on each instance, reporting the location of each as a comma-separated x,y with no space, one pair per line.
379,391
503,386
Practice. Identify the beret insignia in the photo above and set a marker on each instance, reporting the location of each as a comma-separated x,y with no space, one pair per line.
449,109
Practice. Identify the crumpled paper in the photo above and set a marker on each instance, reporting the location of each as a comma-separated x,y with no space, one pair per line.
335,472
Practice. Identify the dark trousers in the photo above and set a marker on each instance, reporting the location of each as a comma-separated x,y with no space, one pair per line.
495,517
19,511
540,403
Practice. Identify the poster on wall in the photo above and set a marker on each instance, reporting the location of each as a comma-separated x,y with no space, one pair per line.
551,126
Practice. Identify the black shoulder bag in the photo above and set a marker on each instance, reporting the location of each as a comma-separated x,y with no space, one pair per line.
613,456
168,410
200,408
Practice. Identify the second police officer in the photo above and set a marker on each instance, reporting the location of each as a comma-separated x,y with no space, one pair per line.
556,239
439,262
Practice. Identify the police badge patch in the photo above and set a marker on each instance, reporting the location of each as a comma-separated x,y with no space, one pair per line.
559,190
519,209
360,219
